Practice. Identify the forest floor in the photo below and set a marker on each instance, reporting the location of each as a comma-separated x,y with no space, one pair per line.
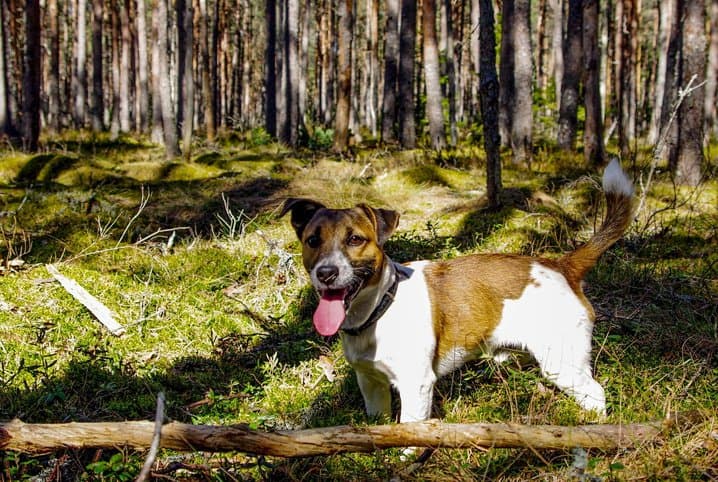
209,285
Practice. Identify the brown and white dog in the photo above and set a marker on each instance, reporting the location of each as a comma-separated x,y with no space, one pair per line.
407,325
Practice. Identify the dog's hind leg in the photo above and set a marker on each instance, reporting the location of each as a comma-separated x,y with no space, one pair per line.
568,367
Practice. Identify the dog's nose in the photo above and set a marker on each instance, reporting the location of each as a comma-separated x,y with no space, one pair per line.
327,274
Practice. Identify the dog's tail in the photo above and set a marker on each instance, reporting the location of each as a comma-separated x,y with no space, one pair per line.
618,190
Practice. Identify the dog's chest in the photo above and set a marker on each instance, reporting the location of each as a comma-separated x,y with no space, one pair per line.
404,336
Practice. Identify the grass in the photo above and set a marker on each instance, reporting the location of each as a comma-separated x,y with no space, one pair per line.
210,287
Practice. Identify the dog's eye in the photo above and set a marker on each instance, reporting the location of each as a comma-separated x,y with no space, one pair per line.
314,241
355,240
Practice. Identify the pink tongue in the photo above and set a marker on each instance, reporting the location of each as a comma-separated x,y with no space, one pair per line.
330,313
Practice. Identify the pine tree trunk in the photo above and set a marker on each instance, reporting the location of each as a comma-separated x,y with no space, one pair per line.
507,81
97,111
691,114
157,131
115,74
568,112
475,60
185,85
143,98
32,69
53,80
126,42
593,148
626,82
557,48
521,117
270,79
344,87
541,79
407,44
489,88
6,115
712,72
81,72
210,127
666,12
291,49
447,22
431,73
372,65
668,148
391,70
169,124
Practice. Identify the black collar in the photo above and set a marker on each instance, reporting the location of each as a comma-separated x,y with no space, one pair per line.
380,309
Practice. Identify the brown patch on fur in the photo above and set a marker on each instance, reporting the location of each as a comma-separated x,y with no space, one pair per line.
467,296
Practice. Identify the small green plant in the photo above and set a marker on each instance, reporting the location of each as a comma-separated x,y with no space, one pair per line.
321,138
259,137
119,467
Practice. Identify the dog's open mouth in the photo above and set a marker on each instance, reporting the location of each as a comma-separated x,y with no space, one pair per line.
332,309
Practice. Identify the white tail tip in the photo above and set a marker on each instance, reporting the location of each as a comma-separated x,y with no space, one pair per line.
615,180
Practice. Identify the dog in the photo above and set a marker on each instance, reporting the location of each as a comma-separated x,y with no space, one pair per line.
407,325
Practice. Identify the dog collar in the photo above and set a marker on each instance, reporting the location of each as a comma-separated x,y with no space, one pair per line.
380,309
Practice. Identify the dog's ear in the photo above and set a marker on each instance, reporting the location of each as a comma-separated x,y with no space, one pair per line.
385,221
303,211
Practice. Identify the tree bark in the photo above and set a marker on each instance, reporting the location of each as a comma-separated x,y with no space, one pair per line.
666,12
291,72
80,70
169,124
97,110
372,65
185,79
506,72
32,76
541,78
344,86
53,80
206,80
557,47
6,114
593,148
270,76
41,438
391,70
568,112
489,94
115,35
451,82
143,89
125,52
407,45
690,116
712,73
515,78
431,74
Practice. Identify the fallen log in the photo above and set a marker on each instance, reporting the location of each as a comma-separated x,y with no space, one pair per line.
42,438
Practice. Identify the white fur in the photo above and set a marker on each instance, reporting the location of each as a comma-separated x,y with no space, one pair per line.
615,180
552,324
398,351
548,320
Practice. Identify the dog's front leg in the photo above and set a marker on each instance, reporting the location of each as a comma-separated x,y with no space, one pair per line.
416,397
376,392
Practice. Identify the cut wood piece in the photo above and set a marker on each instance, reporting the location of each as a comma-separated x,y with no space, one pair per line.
41,438
99,310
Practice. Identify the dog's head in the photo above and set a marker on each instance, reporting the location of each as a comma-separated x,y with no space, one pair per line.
342,252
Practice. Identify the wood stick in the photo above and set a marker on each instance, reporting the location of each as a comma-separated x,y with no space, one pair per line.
101,312
41,438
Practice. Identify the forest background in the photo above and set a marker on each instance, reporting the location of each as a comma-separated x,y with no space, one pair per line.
147,145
